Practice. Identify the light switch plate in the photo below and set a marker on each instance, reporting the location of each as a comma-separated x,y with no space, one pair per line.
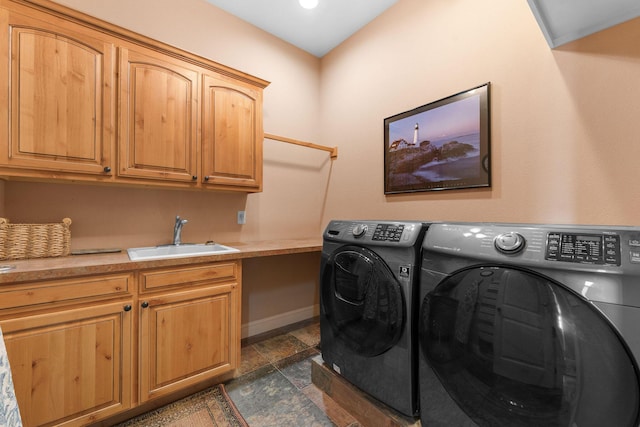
242,219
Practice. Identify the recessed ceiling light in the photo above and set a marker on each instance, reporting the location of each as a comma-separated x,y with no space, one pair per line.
308,4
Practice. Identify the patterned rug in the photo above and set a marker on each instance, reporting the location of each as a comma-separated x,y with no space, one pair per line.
210,407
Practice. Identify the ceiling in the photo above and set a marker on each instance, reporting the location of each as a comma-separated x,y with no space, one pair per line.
567,20
316,31
319,30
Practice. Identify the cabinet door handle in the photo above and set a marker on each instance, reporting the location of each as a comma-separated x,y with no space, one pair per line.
107,169
145,304
194,177
127,307
206,178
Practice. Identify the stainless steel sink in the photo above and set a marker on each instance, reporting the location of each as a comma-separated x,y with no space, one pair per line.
178,251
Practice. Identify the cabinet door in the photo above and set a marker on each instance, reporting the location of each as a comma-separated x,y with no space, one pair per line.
231,134
158,117
71,367
56,115
188,337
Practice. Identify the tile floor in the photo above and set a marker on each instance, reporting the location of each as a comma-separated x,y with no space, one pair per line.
274,387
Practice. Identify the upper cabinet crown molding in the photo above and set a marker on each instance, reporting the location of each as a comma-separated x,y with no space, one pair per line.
564,21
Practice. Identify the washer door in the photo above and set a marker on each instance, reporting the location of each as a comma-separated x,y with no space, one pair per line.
362,301
513,348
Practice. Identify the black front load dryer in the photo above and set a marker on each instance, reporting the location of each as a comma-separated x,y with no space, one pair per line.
368,294
529,325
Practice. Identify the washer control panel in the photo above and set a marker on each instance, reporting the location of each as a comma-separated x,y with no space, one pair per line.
388,232
383,233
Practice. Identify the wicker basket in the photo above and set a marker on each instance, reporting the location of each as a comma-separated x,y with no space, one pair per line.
20,241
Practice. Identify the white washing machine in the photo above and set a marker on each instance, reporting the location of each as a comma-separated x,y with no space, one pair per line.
529,325
368,297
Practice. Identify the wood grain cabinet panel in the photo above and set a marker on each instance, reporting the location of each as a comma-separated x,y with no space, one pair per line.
231,134
58,117
71,367
158,117
177,277
65,291
188,337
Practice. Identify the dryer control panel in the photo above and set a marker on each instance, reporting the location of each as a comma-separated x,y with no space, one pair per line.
584,248
601,263
533,244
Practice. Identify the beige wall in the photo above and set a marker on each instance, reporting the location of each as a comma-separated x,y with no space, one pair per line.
565,122
273,300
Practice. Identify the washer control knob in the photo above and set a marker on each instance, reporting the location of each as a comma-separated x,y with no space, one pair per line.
359,230
509,243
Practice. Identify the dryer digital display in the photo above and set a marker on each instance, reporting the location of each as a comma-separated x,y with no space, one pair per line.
584,248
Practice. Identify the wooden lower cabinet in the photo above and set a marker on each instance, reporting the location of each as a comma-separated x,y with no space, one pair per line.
72,366
187,337
84,350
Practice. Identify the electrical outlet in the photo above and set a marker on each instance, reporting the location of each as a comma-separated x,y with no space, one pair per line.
242,219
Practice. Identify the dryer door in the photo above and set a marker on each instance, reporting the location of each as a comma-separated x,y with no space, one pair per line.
512,348
362,301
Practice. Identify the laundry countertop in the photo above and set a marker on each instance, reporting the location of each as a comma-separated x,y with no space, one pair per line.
82,265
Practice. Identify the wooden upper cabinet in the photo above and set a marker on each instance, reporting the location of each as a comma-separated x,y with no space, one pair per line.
231,134
158,117
86,100
56,113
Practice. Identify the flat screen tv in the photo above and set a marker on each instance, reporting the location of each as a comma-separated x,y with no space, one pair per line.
442,145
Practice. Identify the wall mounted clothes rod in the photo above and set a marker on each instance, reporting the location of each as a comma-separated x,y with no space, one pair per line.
333,151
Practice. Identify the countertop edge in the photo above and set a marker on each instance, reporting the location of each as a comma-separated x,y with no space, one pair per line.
81,265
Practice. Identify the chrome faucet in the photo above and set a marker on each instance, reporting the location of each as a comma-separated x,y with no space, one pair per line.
177,230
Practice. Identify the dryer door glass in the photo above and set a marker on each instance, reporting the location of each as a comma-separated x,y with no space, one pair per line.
513,348
362,300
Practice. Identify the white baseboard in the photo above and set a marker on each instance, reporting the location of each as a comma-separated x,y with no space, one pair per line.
274,322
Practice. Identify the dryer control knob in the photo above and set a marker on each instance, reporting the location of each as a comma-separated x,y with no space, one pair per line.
359,230
509,243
